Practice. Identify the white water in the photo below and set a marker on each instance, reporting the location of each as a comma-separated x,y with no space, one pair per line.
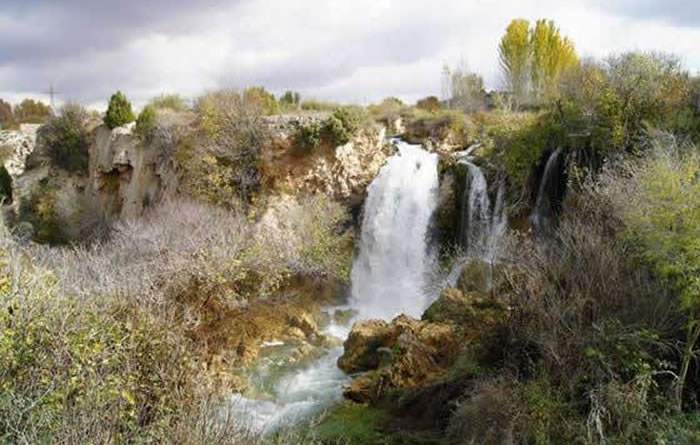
482,226
389,277
543,212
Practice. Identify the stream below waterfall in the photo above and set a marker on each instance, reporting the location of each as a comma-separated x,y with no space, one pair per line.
390,275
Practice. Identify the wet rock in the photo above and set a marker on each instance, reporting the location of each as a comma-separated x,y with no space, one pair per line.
402,354
343,317
362,344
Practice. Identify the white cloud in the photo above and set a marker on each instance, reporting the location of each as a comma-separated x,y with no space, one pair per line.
334,49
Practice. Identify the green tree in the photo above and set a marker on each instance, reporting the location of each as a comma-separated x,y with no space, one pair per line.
290,99
552,55
7,117
67,138
119,111
661,209
32,112
146,122
173,102
263,99
430,103
514,53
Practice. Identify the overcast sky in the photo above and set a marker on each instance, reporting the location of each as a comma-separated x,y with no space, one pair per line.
349,50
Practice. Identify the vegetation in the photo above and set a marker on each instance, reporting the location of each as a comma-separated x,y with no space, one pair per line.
32,112
146,123
67,138
262,99
173,102
533,60
430,103
290,101
119,111
222,161
7,118
586,334
337,129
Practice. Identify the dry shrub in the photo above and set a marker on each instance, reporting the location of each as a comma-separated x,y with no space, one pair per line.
221,162
591,331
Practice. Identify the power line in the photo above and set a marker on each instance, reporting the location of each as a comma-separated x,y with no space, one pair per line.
52,94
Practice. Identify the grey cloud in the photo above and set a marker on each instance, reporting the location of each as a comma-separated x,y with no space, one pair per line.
677,12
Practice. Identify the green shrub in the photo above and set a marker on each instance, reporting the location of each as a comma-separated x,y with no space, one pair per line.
119,111
222,161
318,105
67,139
146,123
263,99
7,117
40,211
343,124
173,102
32,112
430,103
334,132
308,137
67,363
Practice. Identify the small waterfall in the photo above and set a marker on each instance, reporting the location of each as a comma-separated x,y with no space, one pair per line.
547,194
481,225
390,272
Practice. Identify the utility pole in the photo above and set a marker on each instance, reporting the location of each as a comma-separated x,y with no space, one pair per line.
52,95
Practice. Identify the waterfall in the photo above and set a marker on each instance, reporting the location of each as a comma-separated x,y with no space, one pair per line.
545,203
390,272
389,276
481,225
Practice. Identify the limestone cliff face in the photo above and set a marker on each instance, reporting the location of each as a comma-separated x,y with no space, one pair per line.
124,176
342,173
127,175
15,146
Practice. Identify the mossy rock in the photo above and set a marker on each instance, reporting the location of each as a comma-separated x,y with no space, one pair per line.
476,276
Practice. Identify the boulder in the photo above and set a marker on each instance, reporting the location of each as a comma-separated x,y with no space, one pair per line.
361,346
476,276
398,355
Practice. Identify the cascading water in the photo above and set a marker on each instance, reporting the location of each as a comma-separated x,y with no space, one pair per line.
544,209
389,277
481,225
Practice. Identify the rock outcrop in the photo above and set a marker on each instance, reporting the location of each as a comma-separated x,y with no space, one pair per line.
127,175
408,354
342,173
15,147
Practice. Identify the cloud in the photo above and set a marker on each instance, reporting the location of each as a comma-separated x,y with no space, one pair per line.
676,12
332,49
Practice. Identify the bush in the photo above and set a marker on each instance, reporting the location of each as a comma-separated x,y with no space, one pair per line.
146,123
32,112
7,117
221,163
173,102
119,111
68,362
263,99
430,103
308,137
67,139
318,105
343,124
